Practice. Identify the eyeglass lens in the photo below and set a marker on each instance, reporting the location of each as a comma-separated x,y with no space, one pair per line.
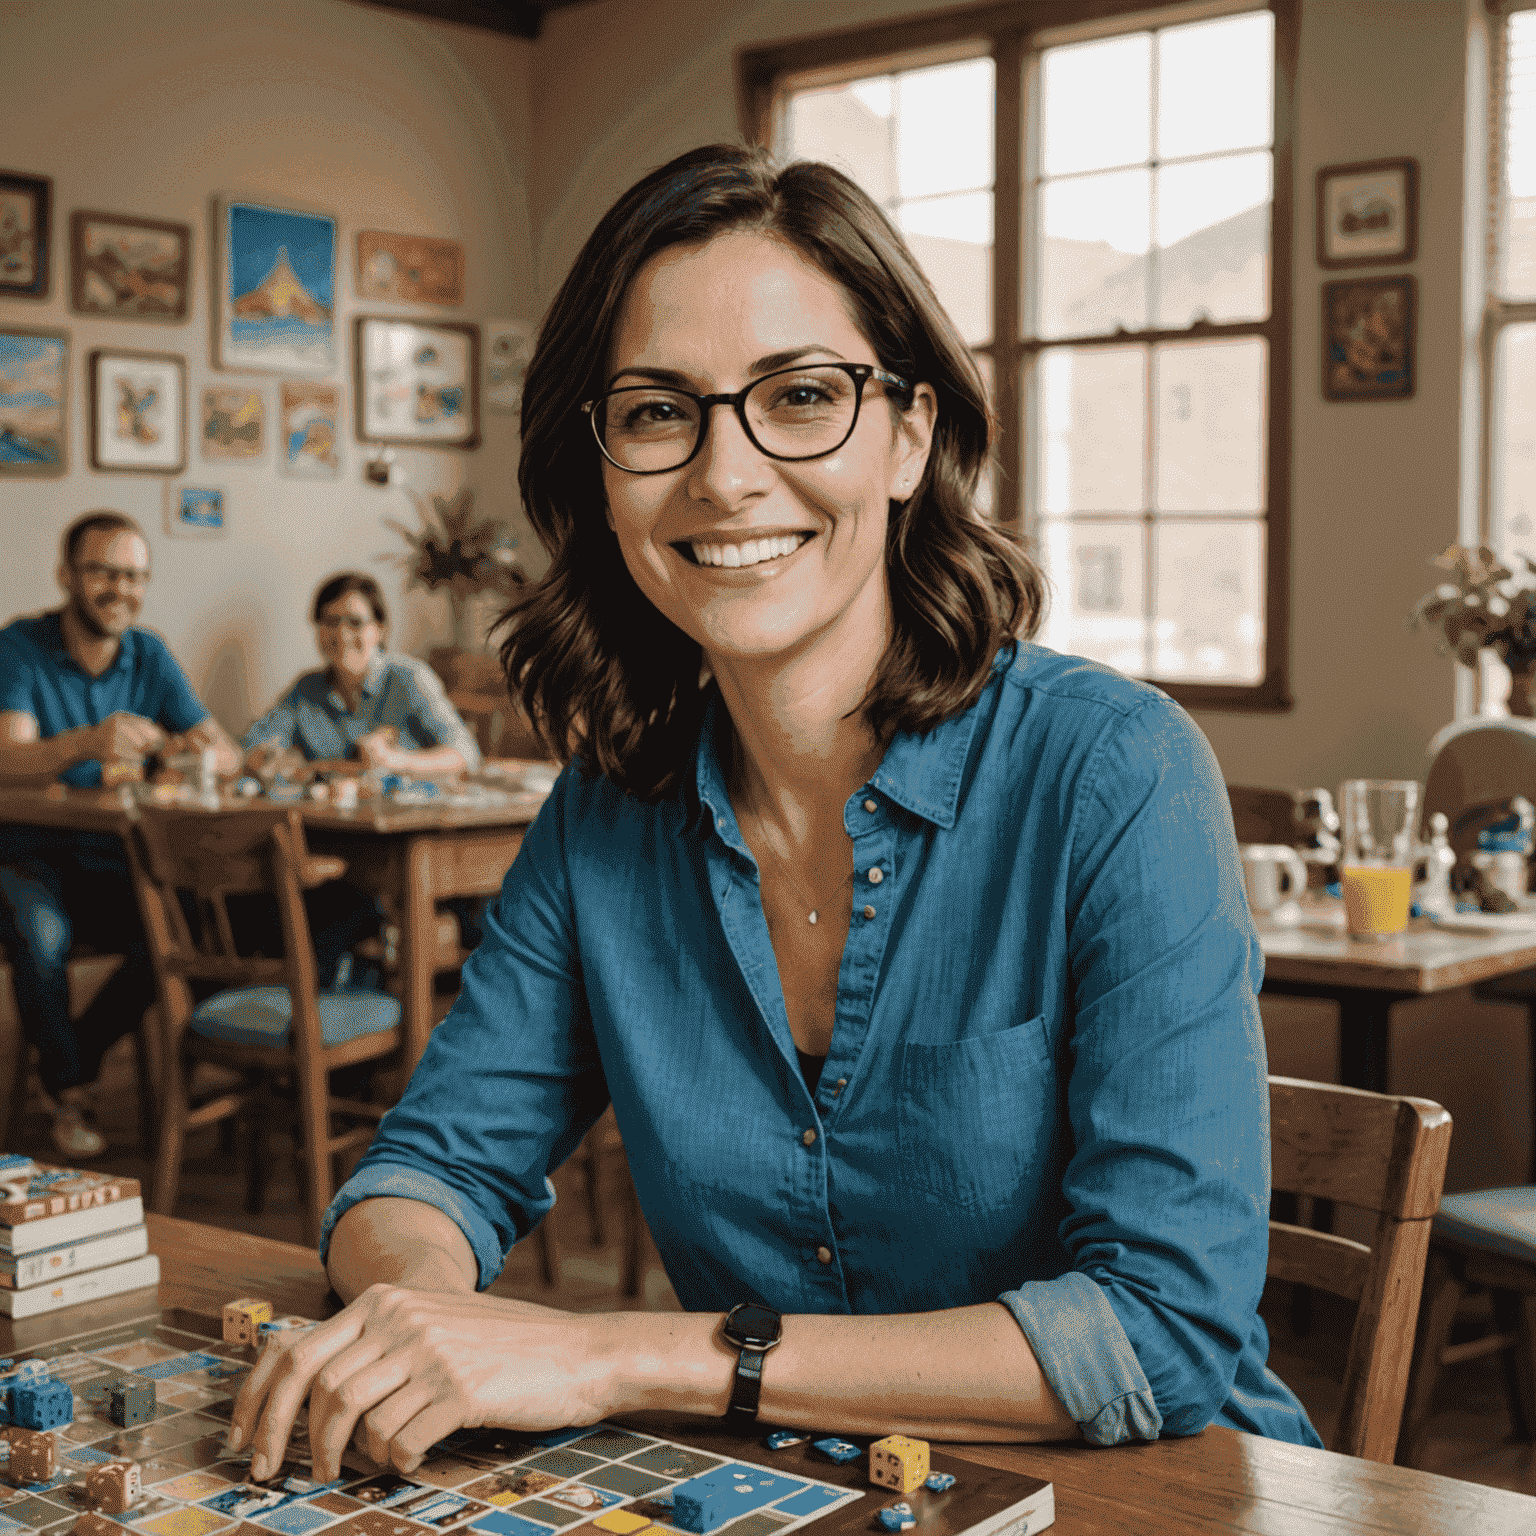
113,573
801,413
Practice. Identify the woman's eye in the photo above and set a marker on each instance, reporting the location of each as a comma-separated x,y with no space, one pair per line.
651,413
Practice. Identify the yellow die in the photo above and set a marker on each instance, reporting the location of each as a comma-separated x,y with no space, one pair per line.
243,1317
898,1462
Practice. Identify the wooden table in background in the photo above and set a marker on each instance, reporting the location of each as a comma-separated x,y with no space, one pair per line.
1317,958
1217,1483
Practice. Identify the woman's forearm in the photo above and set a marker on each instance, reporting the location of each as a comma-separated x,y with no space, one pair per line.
400,1242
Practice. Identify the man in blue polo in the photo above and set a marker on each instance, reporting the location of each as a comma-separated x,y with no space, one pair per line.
80,688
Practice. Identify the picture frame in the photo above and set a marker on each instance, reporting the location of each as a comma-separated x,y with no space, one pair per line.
232,423
26,234
138,411
417,382
274,287
409,269
1370,338
508,350
34,402
309,430
196,512
1368,213
127,268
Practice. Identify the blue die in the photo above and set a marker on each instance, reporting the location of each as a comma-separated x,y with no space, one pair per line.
838,1450
939,1482
44,1404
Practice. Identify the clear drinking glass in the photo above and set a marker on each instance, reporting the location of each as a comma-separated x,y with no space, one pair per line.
1379,817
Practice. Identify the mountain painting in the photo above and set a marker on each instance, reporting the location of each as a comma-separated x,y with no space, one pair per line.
277,290
34,379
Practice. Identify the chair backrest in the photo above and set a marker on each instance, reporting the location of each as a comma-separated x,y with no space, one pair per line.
1263,815
1384,1154
1479,764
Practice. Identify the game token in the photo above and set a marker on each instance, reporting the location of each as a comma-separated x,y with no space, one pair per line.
782,1439
897,1517
838,1450
939,1482
131,1401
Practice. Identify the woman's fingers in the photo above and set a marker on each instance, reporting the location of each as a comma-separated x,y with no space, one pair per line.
377,1428
412,1441
357,1380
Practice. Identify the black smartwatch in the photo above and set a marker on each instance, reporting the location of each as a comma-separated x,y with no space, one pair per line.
754,1330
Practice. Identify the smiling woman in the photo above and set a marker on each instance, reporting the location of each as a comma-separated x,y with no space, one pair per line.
912,956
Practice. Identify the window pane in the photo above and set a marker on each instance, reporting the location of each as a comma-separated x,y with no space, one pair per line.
1210,426
1209,602
986,487
952,240
1514,440
850,127
944,128
1096,104
1517,277
1093,270
1098,591
1091,410
1213,230
1215,85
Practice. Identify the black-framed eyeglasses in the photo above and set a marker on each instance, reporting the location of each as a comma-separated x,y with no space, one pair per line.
347,621
114,574
791,415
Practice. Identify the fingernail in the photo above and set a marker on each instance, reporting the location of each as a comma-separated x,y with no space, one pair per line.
235,1440
258,1468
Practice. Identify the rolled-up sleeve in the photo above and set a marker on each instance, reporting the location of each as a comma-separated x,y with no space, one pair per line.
1168,1184
434,719
276,727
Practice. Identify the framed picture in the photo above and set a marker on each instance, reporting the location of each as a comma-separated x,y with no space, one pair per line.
275,278
508,347
308,426
139,412
194,512
128,269
409,269
418,382
34,401
26,214
1367,214
1369,326
231,424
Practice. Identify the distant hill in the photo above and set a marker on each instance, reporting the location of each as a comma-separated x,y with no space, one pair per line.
280,294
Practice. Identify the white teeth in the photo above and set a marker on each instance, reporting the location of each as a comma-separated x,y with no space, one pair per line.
753,552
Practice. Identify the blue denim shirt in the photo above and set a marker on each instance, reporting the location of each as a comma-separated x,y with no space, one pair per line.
397,690
1046,1083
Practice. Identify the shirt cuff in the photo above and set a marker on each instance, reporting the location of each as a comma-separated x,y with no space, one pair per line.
406,1183
1086,1357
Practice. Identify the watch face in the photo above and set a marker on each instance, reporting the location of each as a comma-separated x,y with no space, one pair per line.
753,1325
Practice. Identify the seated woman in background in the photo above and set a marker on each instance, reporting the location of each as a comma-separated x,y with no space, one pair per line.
368,708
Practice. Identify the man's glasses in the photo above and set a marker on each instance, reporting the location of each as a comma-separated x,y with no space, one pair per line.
347,621
94,570
792,415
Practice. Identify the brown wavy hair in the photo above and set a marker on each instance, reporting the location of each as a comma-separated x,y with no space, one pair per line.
598,669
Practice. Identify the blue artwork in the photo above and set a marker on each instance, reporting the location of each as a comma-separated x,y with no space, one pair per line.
278,299
33,390
202,511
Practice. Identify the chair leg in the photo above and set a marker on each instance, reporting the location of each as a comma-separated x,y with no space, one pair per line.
1437,1312
315,1128
634,1239
549,1254
171,1140
1512,1315
1530,1015
144,1071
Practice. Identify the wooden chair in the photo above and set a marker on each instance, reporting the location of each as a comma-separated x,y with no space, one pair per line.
603,1141
1386,1155
269,1022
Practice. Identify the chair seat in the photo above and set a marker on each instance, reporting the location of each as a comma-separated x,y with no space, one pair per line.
263,1015
1498,1220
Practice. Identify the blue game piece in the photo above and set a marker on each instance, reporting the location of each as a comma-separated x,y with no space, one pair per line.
704,1503
939,1482
44,1404
838,1450
782,1439
897,1517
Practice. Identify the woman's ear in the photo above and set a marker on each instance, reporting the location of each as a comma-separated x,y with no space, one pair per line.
914,442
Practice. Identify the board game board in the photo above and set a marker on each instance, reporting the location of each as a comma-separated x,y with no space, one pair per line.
603,1480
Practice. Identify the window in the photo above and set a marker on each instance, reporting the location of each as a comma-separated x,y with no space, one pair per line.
1510,315
1098,211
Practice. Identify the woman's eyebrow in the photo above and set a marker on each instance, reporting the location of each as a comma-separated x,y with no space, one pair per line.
767,364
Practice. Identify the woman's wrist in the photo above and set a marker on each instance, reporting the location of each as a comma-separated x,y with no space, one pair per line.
668,1361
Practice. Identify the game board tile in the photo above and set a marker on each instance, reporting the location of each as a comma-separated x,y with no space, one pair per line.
188,1394
222,1410
442,1509
184,1520
503,1488
619,1522
544,1513
203,1451
673,1461
764,1523
499,1523
334,1503
564,1463
87,1427
192,1486
447,1471
379,1522
135,1356
811,1500
630,1481
583,1497
85,1455
294,1519
179,1338
178,1365
611,1444
33,1512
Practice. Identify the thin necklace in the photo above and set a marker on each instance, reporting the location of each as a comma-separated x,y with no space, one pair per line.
795,885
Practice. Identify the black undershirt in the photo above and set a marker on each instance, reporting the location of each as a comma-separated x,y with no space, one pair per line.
810,1068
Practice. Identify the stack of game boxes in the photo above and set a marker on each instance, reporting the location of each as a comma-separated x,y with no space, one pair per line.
68,1236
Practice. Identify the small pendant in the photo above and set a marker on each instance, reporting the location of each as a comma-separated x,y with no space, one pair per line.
811,918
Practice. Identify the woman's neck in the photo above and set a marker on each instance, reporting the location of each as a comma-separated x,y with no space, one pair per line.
349,687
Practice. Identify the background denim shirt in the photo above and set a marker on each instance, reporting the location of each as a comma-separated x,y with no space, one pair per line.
397,690
1046,1083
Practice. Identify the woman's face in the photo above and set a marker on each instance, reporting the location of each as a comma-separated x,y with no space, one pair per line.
348,634
711,319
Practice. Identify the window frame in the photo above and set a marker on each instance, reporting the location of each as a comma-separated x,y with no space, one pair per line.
1013,34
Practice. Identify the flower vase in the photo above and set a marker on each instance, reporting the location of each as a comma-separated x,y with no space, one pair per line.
1522,675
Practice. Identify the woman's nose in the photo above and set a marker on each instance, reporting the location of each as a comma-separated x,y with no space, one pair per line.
729,466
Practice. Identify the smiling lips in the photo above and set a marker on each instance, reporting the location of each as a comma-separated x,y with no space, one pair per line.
752,552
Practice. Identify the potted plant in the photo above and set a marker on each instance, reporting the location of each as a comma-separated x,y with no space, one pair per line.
1486,605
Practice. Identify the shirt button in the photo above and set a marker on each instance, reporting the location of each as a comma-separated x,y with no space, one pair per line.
875,876
869,912
823,1255
809,1139
841,1083
871,807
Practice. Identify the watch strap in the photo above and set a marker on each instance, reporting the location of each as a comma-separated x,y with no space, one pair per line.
747,1385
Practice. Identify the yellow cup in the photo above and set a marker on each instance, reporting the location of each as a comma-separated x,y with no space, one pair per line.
1376,899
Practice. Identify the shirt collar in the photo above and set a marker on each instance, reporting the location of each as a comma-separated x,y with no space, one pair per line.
373,680
52,637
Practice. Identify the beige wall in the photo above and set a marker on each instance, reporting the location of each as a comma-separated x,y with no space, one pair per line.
384,121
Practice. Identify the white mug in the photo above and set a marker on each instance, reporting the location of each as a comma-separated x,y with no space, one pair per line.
1273,875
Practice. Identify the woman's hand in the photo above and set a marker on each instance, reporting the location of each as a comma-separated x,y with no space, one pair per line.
379,749
399,1369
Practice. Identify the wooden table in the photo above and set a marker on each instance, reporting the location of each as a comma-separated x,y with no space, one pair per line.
1218,1483
417,855
1317,958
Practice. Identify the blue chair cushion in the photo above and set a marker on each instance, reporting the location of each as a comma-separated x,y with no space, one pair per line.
263,1015
1500,1220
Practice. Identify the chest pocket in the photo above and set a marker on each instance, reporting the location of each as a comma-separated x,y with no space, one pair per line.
976,1118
